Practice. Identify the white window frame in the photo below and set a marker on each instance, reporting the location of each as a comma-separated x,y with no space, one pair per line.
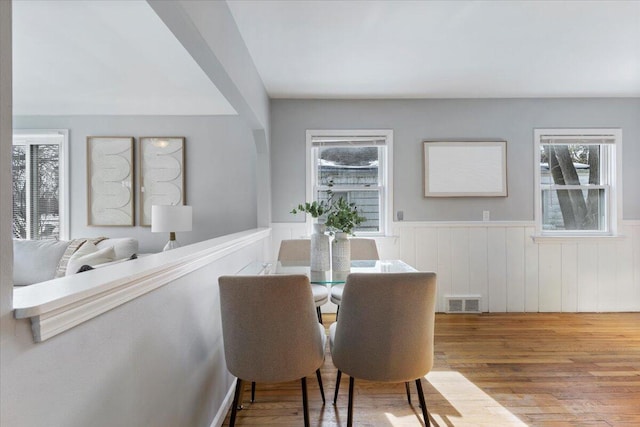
611,168
385,170
55,137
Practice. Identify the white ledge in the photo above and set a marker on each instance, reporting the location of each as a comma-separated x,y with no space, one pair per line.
58,305
573,239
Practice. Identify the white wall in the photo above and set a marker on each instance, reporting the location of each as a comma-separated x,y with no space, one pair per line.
500,263
155,361
220,160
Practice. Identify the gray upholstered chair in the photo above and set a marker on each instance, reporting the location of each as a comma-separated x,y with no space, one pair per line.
385,331
270,332
361,249
299,250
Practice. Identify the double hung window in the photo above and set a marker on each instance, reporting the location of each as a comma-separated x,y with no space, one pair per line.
39,185
354,165
576,181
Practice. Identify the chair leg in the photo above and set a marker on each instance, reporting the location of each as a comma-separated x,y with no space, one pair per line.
234,406
337,311
406,386
320,384
319,314
305,404
423,404
253,391
335,395
350,410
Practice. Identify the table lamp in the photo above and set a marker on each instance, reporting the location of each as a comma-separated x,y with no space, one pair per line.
169,219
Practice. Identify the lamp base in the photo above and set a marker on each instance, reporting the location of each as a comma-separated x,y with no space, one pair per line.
172,243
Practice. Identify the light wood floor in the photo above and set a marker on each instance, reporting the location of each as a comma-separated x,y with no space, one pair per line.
490,370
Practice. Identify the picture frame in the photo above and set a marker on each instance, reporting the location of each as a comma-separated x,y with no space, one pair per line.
465,168
162,173
110,192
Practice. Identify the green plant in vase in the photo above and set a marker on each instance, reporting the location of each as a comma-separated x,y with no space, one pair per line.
343,216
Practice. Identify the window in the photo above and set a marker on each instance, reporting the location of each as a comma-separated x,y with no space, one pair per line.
40,185
355,165
576,181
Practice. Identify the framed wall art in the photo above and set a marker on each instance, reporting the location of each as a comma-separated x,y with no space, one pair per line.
465,169
110,200
162,177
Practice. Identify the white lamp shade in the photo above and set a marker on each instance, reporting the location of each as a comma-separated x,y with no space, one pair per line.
168,218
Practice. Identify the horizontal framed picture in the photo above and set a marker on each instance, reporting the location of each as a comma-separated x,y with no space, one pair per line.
162,177
110,200
465,168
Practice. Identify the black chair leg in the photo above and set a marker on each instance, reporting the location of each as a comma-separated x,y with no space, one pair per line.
234,406
337,311
335,395
406,386
305,404
320,384
319,314
350,410
423,404
253,391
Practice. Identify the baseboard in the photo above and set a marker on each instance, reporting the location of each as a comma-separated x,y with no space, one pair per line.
224,408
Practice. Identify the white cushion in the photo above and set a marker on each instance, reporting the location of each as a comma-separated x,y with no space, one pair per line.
320,294
336,293
89,254
36,260
124,247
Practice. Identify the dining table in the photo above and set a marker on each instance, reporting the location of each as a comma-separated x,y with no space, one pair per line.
329,277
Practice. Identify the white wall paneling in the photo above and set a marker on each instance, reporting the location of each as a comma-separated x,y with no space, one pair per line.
500,262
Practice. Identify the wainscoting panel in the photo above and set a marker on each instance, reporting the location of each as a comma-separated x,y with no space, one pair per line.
500,262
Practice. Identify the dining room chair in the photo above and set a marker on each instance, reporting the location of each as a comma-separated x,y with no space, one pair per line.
299,250
270,332
385,331
361,249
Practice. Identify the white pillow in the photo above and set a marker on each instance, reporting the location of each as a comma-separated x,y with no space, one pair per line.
89,254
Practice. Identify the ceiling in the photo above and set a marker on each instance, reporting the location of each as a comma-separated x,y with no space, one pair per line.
443,49
118,58
104,58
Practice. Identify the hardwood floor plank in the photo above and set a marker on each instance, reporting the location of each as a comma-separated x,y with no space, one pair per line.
547,369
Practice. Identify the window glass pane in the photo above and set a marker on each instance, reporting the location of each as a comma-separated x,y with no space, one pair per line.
45,215
19,172
576,164
348,165
574,210
367,202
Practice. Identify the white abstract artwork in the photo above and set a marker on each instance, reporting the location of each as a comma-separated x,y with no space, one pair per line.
110,181
465,169
161,174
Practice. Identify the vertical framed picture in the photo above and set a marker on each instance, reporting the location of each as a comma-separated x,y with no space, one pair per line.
162,177
110,200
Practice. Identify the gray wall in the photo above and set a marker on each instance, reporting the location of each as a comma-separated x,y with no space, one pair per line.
416,120
220,171
157,361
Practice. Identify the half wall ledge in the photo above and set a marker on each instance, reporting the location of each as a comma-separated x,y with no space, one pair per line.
58,305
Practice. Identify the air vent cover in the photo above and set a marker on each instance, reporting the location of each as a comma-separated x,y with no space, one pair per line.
462,303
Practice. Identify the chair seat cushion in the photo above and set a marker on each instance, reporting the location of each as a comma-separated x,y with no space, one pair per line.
320,294
336,294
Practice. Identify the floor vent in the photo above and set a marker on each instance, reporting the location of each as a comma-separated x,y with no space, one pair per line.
462,304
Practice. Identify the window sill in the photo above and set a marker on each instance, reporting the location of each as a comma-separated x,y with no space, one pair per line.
593,238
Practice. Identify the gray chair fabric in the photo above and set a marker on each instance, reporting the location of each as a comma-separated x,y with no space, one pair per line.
270,330
295,250
299,250
361,249
385,330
